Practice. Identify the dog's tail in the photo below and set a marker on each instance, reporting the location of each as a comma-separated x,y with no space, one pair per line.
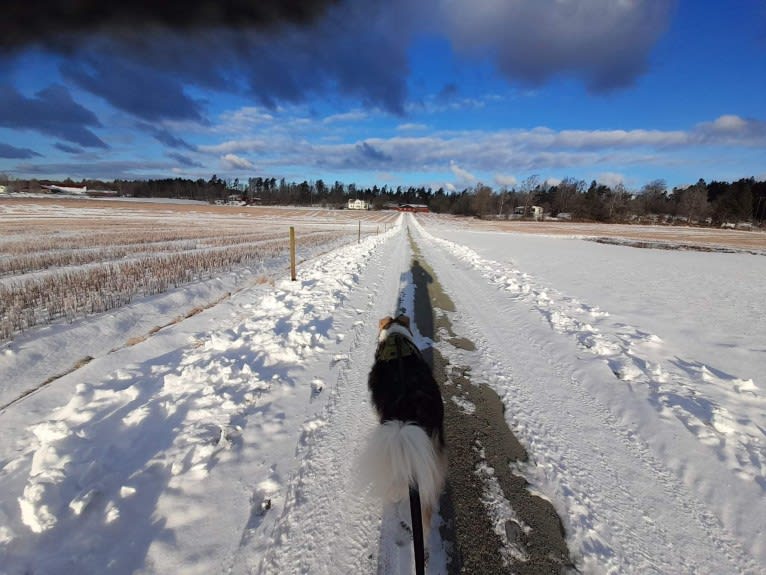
400,455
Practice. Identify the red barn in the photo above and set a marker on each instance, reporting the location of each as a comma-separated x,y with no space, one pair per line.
413,208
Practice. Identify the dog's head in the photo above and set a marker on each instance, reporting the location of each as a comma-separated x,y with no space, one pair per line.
400,324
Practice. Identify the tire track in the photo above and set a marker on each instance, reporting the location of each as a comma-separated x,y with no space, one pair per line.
327,519
615,489
492,521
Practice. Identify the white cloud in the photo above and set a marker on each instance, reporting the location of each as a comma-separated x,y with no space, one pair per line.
729,123
610,179
248,116
463,176
353,116
231,146
498,153
730,128
233,162
503,180
591,139
411,127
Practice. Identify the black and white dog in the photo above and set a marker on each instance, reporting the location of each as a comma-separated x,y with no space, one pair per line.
407,451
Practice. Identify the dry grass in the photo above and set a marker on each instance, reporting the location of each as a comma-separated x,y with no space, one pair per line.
64,258
136,340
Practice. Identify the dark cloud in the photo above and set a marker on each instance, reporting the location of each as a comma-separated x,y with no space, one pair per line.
51,111
448,92
14,153
370,152
68,149
357,49
103,170
606,42
62,21
184,161
147,93
142,58
164,136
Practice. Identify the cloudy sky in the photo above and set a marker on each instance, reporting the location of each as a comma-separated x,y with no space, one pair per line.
436,92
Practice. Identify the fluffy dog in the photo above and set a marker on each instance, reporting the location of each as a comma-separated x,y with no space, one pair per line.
407,449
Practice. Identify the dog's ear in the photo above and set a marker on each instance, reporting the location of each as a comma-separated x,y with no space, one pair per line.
404,320
385,322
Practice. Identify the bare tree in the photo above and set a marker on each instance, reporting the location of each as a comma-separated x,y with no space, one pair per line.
501,200
617,200
653,198
528,192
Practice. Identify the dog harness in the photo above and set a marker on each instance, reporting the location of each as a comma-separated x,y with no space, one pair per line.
396,346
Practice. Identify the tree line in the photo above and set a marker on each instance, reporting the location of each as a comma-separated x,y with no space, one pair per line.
711,203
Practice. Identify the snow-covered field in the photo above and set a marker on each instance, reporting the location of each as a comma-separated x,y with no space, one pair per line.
226,442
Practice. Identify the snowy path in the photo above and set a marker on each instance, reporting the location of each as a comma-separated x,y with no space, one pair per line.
326,525
226,443
193,451
638,493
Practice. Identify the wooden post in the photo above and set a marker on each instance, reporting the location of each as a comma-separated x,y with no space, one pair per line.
292,253
359,235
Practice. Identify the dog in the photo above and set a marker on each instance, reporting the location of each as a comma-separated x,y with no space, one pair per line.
407,449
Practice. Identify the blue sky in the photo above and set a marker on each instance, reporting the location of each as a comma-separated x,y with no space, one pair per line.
446,93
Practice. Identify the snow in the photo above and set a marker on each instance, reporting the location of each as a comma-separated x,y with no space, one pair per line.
228,442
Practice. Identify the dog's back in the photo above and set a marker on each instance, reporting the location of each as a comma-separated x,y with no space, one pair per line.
404,389
406,455
410,440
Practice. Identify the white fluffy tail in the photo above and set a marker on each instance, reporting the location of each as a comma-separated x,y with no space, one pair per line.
398,455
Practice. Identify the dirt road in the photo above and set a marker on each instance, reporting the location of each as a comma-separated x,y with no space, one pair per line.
527,536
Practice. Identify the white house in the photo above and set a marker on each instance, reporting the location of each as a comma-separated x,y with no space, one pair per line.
358,205
535,212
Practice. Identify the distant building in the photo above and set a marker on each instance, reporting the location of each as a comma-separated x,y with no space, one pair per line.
79,191
54,189
358,205
534,212
2,189
413,208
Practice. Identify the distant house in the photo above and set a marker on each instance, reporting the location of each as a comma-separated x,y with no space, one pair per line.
358,205
2,189
534,212
55,189
413,208
79,191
